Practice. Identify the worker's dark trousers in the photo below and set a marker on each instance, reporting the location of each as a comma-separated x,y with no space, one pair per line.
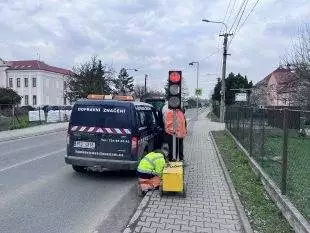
179,147
145,175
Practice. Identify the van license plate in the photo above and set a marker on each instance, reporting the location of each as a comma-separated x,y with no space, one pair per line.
85,145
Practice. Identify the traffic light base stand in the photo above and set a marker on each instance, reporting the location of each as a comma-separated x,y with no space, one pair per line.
173,179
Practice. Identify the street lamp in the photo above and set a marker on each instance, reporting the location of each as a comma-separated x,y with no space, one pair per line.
131,69
219,22
197,84
226,34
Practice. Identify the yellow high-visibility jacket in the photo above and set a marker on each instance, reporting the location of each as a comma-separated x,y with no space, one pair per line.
153,163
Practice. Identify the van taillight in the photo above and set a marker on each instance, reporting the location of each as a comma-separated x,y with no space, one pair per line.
134,144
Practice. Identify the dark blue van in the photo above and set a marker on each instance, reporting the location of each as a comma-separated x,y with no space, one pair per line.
111,134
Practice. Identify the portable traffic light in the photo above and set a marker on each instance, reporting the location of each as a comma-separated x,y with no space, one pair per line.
174,89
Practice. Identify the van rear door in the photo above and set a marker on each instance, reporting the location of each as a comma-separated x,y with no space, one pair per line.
100,131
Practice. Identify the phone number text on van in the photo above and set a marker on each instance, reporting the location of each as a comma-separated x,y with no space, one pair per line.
98,153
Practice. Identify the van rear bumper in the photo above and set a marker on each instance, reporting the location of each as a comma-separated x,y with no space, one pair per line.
104,163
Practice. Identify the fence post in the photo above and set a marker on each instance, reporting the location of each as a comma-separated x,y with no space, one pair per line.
262,149
284,152
243,123
251,132
238,124
230,118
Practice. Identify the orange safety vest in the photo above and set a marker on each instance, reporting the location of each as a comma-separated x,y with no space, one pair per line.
180,127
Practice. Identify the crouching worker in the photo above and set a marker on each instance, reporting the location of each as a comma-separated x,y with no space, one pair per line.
150,170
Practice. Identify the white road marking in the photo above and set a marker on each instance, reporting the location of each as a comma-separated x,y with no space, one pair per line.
31,160
25,137
26,148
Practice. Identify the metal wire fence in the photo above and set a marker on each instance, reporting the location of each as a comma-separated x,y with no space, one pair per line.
279,140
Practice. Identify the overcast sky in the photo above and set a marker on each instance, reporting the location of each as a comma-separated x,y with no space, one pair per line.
151,35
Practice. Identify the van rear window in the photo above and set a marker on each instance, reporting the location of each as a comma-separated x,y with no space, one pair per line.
101,116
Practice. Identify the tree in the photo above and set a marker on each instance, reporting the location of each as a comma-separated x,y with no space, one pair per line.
9,96
89,77
297,59
232,82
123,83
139,92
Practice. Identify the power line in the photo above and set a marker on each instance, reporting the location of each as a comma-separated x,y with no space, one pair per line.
232,9
210,55
238,29
237,15
246,3
248,15
226,11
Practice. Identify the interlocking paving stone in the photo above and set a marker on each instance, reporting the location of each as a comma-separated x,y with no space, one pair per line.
208,206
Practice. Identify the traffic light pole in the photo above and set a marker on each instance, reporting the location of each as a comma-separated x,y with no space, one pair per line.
223,110
174,138
174,104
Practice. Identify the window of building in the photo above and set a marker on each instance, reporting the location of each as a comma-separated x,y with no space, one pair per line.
34,82
65,85
10,82
34,100
18,82
65,101
26,100
26,82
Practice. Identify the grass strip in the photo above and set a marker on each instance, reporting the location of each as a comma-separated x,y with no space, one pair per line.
263,214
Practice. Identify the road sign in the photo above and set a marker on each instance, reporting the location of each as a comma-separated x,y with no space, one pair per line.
241,97
198,91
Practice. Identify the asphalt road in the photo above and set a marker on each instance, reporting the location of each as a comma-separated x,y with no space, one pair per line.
40,193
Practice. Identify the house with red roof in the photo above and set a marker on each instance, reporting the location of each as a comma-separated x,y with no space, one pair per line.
282,87
37,82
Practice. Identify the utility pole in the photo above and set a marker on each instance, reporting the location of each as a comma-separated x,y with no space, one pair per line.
222,110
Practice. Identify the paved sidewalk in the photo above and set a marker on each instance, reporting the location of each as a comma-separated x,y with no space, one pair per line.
208,206
32,131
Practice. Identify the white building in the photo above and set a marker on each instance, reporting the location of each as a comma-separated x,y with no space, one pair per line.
38,83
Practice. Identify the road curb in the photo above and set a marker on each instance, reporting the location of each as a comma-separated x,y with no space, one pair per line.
33,135
134,219
240,209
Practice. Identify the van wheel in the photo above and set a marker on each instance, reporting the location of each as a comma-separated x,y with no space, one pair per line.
79,169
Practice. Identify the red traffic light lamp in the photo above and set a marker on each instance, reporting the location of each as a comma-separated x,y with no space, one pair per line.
174,89
174,77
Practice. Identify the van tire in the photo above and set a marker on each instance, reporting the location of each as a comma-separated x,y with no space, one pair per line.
79,169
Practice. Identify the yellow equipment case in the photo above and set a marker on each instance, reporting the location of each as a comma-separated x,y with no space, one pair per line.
173,179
